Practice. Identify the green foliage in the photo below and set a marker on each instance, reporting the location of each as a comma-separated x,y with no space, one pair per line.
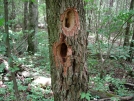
120,53
115,99
87,96
38,94
14,69
2,20
2,66
2,44
43,49
103,84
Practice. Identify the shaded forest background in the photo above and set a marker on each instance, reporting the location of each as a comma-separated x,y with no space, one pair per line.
24,47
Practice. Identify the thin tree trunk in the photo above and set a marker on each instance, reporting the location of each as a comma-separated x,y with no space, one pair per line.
12,16
67,48
8,51
25,25
131,50
127,35
33,25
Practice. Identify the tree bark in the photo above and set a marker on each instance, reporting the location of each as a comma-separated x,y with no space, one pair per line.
131,50
8,50
12,16
33,25
25,25
127,35
67,48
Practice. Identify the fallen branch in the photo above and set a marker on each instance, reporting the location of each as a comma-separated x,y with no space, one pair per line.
126,98
129,85
106,96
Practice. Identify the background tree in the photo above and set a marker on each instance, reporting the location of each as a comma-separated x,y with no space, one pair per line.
12,15
25,25
131,49
8,50
127,30
33,25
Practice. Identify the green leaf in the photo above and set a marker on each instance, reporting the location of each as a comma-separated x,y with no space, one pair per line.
114,57
115,99
86,0
14,69
1,21
2,66
83,95
88,98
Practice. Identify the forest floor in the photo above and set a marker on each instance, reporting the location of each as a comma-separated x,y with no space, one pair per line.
115,78
111,80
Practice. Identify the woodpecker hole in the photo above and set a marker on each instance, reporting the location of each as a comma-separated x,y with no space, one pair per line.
70,22
63,51
69,19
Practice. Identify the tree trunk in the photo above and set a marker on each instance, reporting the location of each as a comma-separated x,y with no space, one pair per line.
8,50
127,35
68,48
12,16
131,50
33,25
25,25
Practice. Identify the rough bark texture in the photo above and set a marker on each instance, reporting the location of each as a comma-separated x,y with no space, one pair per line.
33,25
67,45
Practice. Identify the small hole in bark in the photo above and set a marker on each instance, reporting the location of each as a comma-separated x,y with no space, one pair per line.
63,51
70,22
69,19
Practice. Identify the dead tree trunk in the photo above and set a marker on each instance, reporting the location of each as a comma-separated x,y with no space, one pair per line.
67,47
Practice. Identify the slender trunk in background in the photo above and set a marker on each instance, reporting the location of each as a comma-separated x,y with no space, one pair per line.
12,16
127,34
25,25
131,50
67,48
8,51
111,3
33,25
